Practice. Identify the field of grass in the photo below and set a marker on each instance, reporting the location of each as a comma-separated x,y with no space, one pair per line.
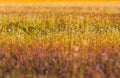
60,42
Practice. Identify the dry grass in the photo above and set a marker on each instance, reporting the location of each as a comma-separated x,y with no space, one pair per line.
60,42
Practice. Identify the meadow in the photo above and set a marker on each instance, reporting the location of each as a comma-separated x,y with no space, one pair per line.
41,41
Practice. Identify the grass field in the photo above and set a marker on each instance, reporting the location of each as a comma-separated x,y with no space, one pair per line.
68,41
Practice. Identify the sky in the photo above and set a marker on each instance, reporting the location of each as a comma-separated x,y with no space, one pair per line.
54,0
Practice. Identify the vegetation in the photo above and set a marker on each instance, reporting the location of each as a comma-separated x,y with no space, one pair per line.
59,42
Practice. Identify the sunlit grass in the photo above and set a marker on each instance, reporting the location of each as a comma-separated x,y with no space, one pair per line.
59,42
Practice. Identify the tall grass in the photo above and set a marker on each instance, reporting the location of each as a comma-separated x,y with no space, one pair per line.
59,42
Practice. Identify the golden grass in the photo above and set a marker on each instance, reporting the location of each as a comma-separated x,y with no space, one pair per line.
71,41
